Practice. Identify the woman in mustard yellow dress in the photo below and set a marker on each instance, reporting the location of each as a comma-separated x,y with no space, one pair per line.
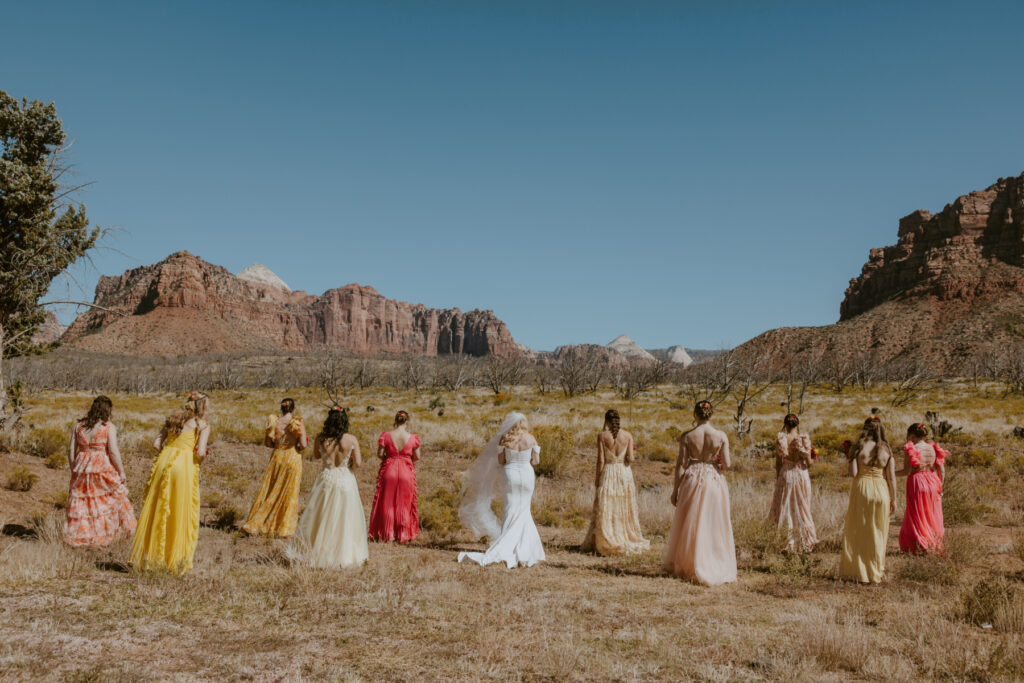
168,525
872,500
276,508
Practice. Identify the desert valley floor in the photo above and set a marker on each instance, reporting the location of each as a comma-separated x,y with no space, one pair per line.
413,613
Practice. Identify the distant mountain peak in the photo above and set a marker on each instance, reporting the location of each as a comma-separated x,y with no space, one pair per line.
259,273
627,347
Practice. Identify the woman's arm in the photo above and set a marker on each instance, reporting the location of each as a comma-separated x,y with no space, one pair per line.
680,468
270,435
158,442
890,479
202,445
535,452
303,438
726,455
72,454
853,467
905,469
600,462
416,454
357,456
780,453
115,452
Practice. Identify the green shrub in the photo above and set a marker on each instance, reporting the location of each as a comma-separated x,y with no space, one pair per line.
829,440
556,444
21,478
436,403
56,461
439,513
59,500
972,457
42,443
225,517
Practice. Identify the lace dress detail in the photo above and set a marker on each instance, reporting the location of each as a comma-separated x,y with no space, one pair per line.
615,523
791,504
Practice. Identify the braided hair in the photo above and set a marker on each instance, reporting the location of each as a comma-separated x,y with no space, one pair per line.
194,408
611,421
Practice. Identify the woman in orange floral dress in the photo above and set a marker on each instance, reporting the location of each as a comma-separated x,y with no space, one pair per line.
98,509
275,511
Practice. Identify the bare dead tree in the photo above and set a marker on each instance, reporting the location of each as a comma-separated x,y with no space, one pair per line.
752,378
455,372
581,371
712,380
502,372
914,379
334,378
839,369
411,373
545,378
640,376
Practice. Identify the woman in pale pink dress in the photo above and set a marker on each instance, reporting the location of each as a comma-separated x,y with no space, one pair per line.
98,510
791,505
700,544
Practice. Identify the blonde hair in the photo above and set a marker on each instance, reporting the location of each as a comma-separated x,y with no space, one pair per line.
195,407
512,435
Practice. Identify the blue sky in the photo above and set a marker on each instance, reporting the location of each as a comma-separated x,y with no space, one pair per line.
686,173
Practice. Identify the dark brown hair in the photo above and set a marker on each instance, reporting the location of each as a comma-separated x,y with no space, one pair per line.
703,410
336,424
873,430
98,412
401,417
918,430
611,420
791,421
287,405
195,407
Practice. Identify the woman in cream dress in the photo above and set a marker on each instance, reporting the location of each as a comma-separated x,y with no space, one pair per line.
791,505
332,530
615,524
872,500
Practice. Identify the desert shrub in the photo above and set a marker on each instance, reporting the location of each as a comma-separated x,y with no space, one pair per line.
21,478
828,439
42,443
757,538
501,398
225,517
56,461
961,503
995,601
945,569
59,500
439,513
972,457
555,444
436,403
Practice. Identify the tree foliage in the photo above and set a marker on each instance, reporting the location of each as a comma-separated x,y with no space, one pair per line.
41,231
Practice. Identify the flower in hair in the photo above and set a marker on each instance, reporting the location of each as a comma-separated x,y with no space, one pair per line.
336,409
192,396
875,418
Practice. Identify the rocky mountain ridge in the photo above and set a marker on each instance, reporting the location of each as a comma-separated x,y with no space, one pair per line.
186,305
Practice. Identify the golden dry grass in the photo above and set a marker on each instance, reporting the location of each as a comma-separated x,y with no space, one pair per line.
413,613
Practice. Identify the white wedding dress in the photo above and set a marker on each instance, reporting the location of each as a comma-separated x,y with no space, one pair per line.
518,542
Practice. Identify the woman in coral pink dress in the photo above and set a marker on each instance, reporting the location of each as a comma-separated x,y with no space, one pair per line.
98,510
925,469
394,516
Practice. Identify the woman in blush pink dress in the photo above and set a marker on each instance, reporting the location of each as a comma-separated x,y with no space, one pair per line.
98,510
791,505
394,516
925,469
700,544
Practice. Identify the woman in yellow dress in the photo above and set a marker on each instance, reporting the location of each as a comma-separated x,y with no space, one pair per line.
168,526
276,508
872,500
615,523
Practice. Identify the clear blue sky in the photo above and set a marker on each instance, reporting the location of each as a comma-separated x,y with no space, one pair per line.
690,173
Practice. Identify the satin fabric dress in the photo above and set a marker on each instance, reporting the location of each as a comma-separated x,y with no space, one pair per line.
923,530
98,509
394,515
169,522
519,542
332,530
275,511
791,504
867,527
700,544
615,523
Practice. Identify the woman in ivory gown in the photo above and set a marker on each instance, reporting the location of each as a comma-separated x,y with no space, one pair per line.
700,545
872,500
925,469
791,505
505,465
615,524
332,529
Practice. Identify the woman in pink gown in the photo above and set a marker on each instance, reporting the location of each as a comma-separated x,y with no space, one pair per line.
700,544
394,516
98,509
925,469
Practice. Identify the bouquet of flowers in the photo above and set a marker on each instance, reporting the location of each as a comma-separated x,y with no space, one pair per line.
846,446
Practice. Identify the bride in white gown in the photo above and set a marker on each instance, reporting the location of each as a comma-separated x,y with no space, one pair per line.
504,467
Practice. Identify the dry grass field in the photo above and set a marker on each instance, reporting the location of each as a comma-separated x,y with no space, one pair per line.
413,613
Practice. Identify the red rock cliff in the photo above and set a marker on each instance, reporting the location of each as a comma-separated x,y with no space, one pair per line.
185,305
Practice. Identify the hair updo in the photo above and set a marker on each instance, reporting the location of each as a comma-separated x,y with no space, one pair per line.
611,420
703,410
287,405
401,418
791,421
99,412
336,424
194,409
918,430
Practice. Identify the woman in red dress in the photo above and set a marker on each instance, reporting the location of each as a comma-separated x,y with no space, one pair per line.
394,516
925,469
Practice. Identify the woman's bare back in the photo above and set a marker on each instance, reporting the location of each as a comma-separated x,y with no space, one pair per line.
705,444
333,452
870,456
